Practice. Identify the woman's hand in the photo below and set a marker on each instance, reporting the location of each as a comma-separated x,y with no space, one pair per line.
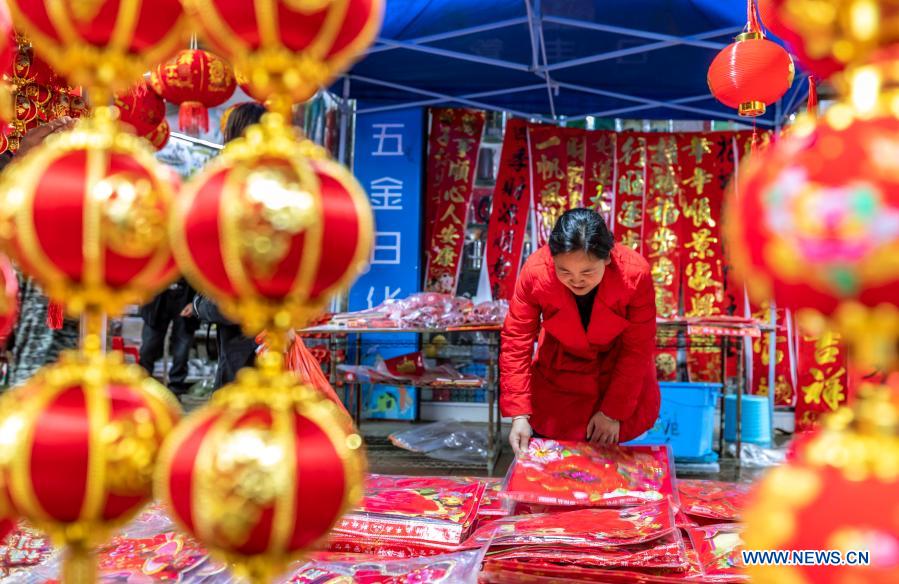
603,429
520,436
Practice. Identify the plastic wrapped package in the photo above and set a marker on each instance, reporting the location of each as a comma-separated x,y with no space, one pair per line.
572,474
713,500
147,550
719,549
427,514
456,568
583,528
666,552
448,440
426,310
23,549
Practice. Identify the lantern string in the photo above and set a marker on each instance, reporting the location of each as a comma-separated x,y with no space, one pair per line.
812,106
752,18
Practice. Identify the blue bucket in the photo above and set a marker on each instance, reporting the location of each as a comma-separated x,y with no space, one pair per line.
756,421
686,419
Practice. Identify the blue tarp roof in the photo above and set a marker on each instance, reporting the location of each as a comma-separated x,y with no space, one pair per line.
555,58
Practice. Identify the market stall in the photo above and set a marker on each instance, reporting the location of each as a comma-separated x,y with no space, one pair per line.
369,244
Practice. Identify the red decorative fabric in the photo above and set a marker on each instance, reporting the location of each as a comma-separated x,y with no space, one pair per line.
662,221
511,208
9,298
584,475
599,173
609,367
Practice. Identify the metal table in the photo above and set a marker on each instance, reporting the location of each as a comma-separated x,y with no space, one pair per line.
491,385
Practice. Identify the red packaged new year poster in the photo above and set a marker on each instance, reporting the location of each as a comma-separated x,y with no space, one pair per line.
583,528
452,164
509,216
557,174
823,378
713,499
579,474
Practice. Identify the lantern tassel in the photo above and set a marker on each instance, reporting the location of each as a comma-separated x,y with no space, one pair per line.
812,106
754,145
79,565
192,116
55,315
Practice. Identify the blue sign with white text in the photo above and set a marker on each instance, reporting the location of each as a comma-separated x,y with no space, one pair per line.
388,162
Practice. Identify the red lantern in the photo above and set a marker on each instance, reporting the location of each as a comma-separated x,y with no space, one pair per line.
103,43
751,73
196,80
812,224
297,448
824,204
141,108
285,47
9,307
290,229
85,216
85,434
802,505
823,64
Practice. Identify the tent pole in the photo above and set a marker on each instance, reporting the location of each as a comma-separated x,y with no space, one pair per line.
428,102
452,34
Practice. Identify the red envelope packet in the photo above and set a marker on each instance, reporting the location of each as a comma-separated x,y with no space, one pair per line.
719,548
445,569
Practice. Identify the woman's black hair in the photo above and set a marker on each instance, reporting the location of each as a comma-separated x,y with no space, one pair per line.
241,117
584,230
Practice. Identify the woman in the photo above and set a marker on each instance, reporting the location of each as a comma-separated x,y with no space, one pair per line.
591,303
235,349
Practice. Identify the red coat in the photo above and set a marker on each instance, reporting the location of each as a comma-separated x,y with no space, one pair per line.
574,375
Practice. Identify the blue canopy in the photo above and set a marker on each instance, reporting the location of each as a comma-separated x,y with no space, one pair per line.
555,59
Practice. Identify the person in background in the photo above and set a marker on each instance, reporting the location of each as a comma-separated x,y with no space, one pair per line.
235,350
33,343
172,306
591,304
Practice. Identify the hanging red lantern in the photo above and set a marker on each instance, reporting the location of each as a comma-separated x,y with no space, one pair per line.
9,308
196,80
141,107
303,231
86,433
820,63
752,72
85,215
273,433
105,44
802,505
828,37
285,47
824,206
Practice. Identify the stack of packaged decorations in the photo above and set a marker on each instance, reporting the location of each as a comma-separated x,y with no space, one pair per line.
410,516
587,513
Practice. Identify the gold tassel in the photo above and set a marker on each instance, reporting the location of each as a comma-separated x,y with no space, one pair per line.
79,565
